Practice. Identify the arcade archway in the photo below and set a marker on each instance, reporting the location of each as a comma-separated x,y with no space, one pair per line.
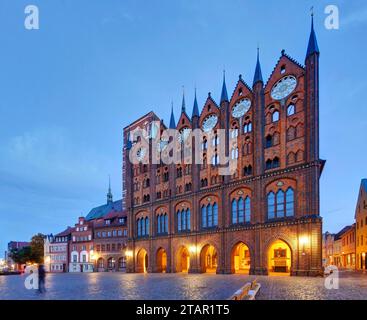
183,260
279,258
240,259
208,259
142,261
161,260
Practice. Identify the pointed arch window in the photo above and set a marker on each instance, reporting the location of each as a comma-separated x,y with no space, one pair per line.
234,133
281,205
142,227
247,128
188,219
183,220
159,224
203,217
209,215
234,211
215,215
275,116
247,209
146,226
271,205
291,110
179,228
289,198
241,210
234,153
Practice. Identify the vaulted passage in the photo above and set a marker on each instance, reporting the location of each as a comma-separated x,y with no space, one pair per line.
142,261
279,258
208,259
161,260
183,260
240,259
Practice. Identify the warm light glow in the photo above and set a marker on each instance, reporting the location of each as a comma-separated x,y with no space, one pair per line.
193,249
128,253
363,254
91,255
47,259
304,240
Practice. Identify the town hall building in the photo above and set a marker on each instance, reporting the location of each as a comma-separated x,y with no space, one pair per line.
262,219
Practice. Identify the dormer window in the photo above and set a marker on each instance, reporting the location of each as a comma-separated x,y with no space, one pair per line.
108,222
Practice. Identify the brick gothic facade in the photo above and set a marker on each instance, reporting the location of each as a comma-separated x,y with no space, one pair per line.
263,219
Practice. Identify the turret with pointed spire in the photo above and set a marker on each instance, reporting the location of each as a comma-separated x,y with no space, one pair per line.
312,95
109,193
258,77
195,109
258,116
312,42
183,106
224,95
172,122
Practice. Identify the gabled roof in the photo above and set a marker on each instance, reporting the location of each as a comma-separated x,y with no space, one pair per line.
240,80
288,57
101,211
342,231
65,233
211,100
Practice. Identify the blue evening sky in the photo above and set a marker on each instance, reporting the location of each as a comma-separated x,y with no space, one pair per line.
68,89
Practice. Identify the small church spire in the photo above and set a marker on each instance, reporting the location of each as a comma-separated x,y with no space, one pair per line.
195,109
183,106
224,95
172,122
312,42
109,194
258,77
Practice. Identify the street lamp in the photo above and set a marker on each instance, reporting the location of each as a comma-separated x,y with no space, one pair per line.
303,241
128,253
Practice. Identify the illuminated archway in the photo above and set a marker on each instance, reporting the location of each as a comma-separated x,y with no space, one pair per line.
142,261
161,260
279,258
100,264
183,260
240,258
111,263
208,259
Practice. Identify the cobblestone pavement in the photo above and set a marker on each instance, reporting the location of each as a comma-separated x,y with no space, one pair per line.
117,286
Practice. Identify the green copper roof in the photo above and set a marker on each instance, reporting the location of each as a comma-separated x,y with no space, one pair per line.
101,211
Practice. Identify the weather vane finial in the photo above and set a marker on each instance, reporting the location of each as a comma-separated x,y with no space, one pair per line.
312,11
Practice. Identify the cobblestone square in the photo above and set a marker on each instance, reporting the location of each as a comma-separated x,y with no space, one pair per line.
121,286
